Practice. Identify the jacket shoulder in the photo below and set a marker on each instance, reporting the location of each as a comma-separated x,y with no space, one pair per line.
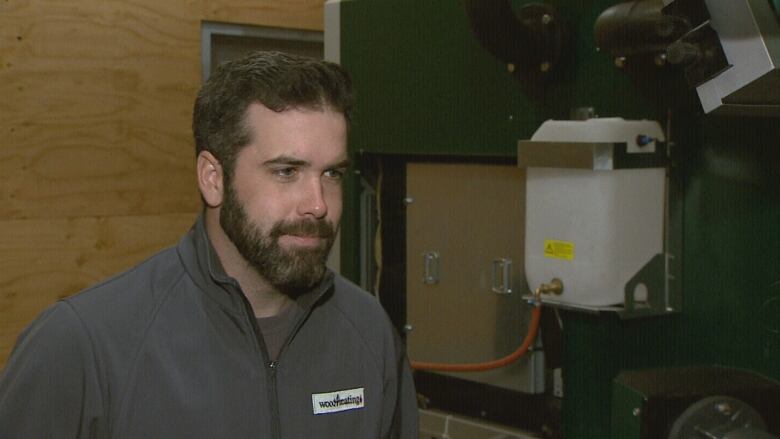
133,291
118,313
358,305
51,376
363,311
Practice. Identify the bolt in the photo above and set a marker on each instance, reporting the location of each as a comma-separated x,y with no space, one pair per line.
644,140
583,113
408,200
660,59
408,327
510,67
545,66
637,411
547,19
620,62
724,408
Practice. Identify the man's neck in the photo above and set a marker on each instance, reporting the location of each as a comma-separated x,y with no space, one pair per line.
266,301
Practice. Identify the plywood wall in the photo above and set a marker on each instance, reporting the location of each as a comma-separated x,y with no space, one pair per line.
96,156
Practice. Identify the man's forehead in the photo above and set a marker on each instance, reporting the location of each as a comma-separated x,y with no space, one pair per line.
297,137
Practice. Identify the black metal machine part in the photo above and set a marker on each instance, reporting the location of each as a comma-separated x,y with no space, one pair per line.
534,38
668,392
637,28
678,34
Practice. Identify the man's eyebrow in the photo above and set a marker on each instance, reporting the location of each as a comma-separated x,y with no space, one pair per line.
285,160
342,164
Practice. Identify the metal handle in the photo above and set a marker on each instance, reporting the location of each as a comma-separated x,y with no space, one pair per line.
430,268
502,276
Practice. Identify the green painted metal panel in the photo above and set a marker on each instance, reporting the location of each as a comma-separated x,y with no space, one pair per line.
732,234
425,85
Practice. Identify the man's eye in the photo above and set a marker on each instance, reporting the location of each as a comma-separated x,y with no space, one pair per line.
285,172
335,174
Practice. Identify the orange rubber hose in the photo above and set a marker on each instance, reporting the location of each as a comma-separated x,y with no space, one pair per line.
533,328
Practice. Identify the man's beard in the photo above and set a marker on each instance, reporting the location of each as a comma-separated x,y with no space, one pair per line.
292,271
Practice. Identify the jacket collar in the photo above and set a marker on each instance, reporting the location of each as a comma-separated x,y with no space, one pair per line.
204,267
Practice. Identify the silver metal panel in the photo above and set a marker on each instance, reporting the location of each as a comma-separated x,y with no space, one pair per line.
570,155
333,30
468,216
748,31
597,156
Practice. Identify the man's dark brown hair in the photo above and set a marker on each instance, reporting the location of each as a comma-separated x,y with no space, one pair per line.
279,81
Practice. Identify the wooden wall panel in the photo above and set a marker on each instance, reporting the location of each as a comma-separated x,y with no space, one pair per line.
97,115
96,151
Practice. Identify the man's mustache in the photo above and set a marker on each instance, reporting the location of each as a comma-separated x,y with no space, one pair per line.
319,228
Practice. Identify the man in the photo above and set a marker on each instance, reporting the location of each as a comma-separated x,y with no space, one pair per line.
239,331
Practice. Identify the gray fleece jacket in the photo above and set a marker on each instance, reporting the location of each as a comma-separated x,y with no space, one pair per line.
170,349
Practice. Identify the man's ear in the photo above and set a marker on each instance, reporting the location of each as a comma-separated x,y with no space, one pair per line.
210,179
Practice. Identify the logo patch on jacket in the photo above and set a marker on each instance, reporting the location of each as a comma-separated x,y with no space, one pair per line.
337,401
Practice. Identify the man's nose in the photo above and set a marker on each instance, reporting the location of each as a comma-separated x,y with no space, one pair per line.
313,200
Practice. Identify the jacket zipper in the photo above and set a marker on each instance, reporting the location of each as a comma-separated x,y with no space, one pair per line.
291,335
297,327
270,367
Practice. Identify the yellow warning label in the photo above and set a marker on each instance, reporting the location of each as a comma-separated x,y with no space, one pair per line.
558,249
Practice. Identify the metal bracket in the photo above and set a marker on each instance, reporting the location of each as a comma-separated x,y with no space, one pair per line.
502,276
651,278
661,296
431,268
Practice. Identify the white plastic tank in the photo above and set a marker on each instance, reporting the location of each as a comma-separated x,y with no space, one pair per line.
593,229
